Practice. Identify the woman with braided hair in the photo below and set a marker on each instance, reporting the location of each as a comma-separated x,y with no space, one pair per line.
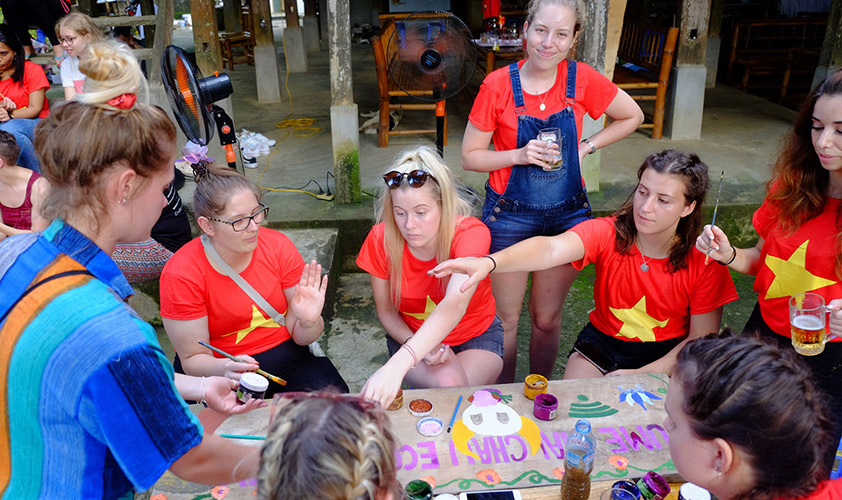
747,421
323,446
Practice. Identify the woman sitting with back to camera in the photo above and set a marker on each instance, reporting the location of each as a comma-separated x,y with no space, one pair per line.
747,421
201,302
653,291
439,333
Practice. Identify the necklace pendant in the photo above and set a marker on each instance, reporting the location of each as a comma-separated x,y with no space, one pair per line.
542,107
644,267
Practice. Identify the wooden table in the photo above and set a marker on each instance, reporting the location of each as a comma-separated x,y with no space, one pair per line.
507,53
630,440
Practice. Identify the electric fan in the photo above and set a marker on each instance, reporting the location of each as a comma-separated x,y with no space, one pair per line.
192,99
431,51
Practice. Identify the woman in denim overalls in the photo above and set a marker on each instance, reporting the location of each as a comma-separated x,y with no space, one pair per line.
535,201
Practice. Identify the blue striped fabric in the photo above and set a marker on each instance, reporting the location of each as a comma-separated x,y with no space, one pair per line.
86,393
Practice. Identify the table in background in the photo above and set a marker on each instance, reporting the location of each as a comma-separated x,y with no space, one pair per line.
489,57
626,414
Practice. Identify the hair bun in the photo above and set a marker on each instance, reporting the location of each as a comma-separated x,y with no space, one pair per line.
112,70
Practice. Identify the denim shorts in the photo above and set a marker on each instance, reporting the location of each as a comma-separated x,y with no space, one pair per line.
491,340
512,221
627,354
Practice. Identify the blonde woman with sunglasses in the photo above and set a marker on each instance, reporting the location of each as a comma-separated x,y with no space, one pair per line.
437,334
200,301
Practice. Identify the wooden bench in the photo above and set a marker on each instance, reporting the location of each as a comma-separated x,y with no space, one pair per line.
761,47
651,48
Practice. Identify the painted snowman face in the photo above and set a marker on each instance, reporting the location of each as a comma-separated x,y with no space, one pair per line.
488,417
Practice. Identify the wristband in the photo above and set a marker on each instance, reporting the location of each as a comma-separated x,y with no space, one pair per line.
492,261
731,260
590,143
411,352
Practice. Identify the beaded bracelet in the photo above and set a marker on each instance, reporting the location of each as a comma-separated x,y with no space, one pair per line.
731,260
204,393
411,352
492,261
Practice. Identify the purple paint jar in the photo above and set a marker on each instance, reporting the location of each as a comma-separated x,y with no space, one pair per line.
627,486
545,406
653,487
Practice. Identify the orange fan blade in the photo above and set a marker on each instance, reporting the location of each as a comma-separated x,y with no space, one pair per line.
183,80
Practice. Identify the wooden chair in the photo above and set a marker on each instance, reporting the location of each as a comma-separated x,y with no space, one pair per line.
650,47
238,48
389,92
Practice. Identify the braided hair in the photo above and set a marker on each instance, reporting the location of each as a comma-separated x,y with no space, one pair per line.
762,399
323,446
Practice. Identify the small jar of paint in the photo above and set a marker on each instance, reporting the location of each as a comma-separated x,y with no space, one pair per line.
418,490
653,487
690,491
252,386
545,406
533,385
627,486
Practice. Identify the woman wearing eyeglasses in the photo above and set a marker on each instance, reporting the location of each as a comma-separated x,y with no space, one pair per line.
437,335
76,31
23,96
201,302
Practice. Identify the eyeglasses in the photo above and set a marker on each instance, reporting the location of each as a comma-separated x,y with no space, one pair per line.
415,179
243,222
68,40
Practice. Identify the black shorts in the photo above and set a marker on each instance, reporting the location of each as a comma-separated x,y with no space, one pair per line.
627,354
490,340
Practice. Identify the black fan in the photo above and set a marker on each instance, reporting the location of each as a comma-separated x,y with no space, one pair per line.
192,100
432,51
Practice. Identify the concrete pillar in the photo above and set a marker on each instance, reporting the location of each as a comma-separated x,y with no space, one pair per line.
717,11
296,53
311,33
265,57
686,98
344,117
601,30
231,16
323,20
205,36
831,55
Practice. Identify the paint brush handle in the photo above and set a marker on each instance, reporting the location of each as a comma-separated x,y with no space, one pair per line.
455,411
273,378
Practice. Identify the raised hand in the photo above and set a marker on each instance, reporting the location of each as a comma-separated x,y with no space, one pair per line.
716,240
308,300
476,268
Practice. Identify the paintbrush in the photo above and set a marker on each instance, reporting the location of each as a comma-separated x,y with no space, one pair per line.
455,411
713,222
277,380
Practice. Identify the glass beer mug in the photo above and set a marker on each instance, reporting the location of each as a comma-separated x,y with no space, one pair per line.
808,323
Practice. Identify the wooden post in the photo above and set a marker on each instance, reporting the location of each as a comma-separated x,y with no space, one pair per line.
344,122
231,16
205,36
265,57
310,7
291,11
692,39
163,37
686,99
831,55
147,8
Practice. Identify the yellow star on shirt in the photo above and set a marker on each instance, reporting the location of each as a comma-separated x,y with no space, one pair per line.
792,276
257,320
636,322
427,310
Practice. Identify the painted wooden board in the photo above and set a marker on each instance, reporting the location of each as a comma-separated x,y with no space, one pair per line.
626,414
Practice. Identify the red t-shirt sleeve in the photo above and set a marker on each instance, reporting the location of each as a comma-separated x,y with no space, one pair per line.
597,236
489,104
372,258
473,240
34,79
182,287
714,286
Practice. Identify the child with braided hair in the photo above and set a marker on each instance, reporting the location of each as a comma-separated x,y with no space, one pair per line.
747,421
323,446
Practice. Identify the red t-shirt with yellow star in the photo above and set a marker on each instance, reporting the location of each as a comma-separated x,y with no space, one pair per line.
191,289
650,306
794,263
420,292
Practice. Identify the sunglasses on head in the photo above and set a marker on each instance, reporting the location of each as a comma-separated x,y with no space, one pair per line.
415,179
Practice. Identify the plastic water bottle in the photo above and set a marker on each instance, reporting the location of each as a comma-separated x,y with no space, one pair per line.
578,456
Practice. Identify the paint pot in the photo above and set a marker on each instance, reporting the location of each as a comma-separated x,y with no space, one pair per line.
653,487
627,486
430,426
252,386
545,406
418,490
690,491
420,407
533,385
397,403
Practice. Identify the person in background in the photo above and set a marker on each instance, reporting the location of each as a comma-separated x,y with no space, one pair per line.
800,229
653,291
747,421
22,192
23,96
323,446
94,410
21,14
76,32
437,334
524,198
